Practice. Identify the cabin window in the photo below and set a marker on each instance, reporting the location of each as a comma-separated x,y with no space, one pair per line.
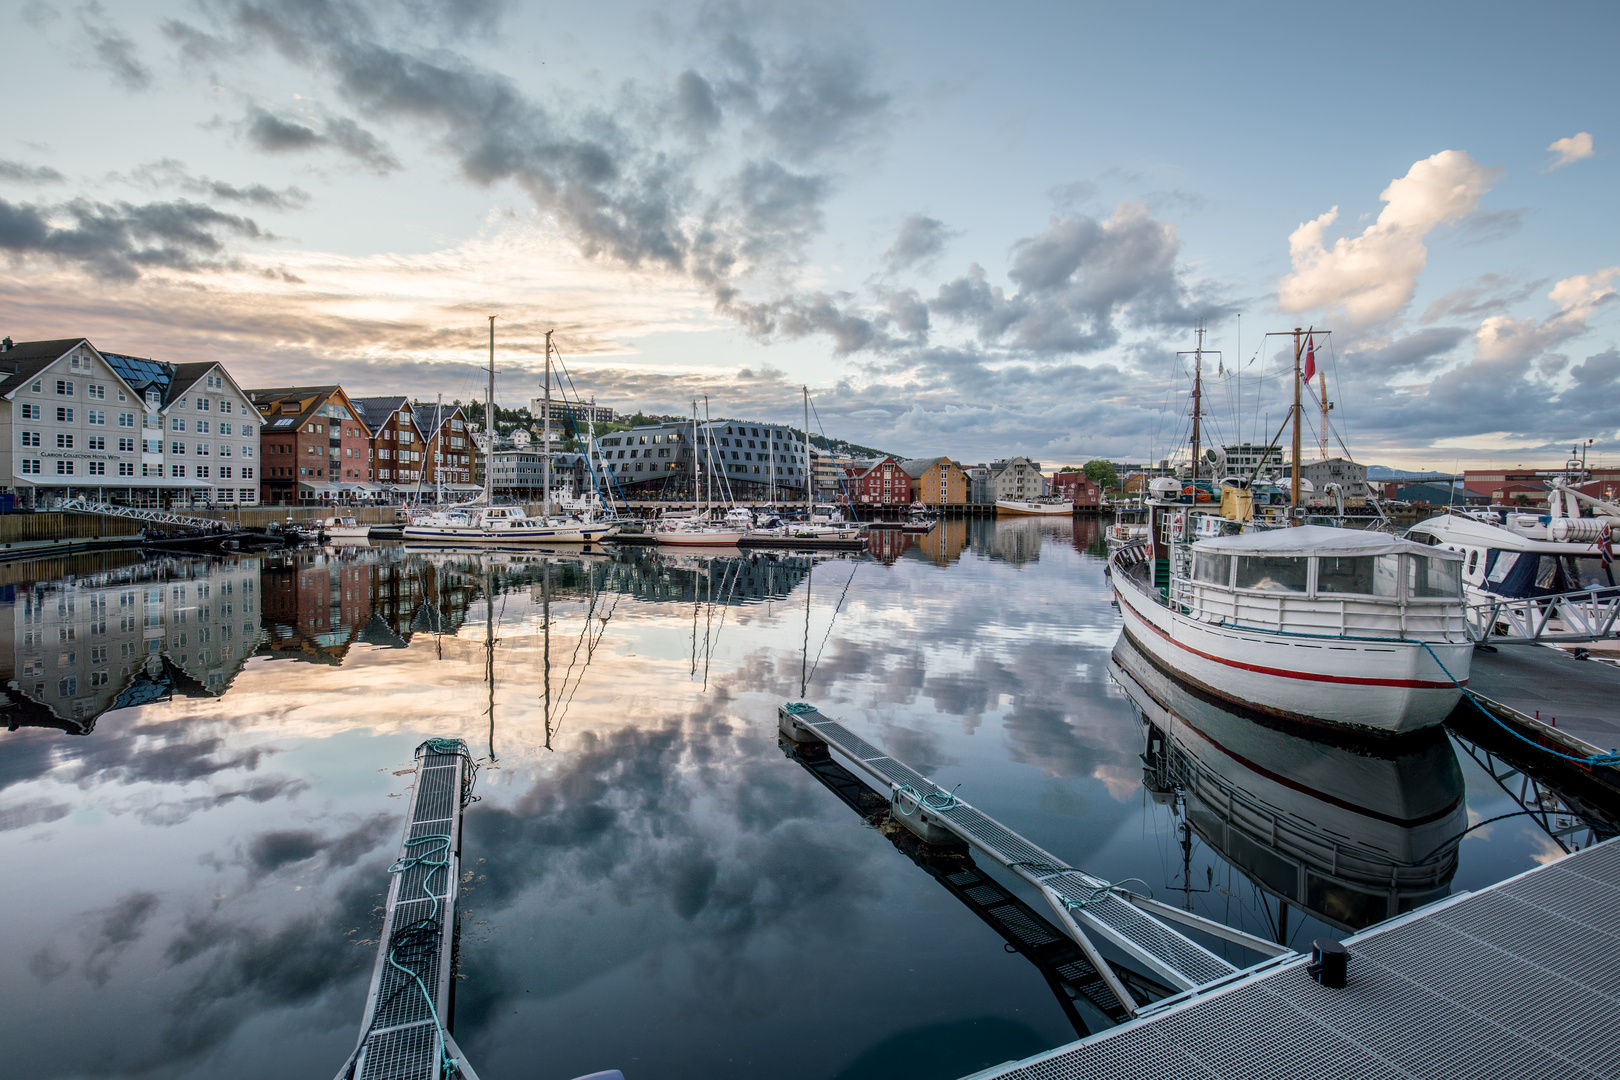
1473,561
1432,578
1271,573
1215,569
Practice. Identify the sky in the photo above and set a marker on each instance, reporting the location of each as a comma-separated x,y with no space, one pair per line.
973,230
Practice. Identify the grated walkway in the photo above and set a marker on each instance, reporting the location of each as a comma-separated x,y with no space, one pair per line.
399,1033
1512,981
1165,953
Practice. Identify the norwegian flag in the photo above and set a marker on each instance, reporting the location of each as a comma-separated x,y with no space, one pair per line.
1310,358
1606,543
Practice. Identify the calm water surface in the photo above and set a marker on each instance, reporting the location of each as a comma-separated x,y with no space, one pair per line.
206,773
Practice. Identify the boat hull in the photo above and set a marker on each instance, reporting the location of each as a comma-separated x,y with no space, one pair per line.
717,538
1385,687
1018,507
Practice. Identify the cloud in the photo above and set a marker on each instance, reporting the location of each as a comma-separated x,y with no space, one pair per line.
1501,337
29,174
920,240
114,48
116,928
1570,150
1369,279
1408,354
276,135
170,173
1487,293
120,240
1077,281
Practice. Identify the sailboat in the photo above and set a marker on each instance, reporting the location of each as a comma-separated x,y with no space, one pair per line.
698,530
482,522
1311,623
818,530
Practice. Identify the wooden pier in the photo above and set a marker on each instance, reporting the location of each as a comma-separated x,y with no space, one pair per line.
1081,902
405,1030
1515,980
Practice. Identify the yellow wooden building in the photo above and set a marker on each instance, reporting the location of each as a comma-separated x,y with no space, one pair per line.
937,481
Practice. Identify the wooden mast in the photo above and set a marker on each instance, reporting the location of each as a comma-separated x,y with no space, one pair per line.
1321,385
1198,403
1293,505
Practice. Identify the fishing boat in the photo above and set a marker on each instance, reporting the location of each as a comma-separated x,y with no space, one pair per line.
1034,507
1315,624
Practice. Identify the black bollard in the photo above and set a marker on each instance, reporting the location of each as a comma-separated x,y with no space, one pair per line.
1330,963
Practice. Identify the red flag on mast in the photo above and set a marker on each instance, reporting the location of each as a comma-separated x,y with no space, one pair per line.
1310,358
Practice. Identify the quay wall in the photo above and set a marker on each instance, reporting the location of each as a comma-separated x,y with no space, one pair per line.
33,532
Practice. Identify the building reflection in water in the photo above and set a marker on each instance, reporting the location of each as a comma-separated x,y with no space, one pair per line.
1350,833
87,639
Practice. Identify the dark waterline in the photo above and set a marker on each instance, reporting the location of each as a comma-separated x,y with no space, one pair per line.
199,798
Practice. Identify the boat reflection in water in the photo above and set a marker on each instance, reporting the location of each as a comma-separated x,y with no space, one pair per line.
1353,833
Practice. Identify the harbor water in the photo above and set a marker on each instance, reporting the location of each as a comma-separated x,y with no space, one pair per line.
204,781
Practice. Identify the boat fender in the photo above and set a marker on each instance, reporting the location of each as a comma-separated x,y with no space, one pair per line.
1330,963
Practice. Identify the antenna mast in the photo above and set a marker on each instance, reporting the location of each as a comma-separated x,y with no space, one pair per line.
1293,496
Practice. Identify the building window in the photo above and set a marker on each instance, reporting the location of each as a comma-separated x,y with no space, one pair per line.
126,446
30,465
202,472
247,474
96,416
247,431
177,448
96,442
64,441
244,495
126,468
64,468
64,387
202,427
177,471
202,449
95,391
30,438
64,416
32,412
98,468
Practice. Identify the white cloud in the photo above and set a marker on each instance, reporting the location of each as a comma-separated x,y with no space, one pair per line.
1369,279
1502,337
1571,150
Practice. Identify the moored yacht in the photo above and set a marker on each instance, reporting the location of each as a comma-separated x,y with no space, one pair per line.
476,524
1035,507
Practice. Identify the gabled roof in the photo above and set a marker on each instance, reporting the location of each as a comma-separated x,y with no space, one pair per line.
186,376
26,359
429,417
377,411
311,398
915,467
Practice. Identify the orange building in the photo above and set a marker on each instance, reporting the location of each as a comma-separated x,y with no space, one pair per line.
937,481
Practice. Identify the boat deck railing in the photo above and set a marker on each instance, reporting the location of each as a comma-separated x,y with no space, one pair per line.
1586,615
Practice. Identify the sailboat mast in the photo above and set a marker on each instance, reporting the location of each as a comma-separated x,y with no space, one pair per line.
695,481
489,423
1293,495
809,473
438,464
545,437
1197,404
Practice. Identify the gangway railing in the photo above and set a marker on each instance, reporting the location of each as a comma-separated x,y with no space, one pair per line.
1572,617
137,513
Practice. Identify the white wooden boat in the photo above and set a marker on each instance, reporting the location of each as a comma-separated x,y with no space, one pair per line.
1314,624
344,528
1036,507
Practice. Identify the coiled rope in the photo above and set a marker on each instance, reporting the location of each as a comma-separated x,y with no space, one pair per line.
938,801
1098,891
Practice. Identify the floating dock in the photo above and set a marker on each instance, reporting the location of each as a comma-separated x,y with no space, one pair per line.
1080,901
405,1031
1552,694
1515,980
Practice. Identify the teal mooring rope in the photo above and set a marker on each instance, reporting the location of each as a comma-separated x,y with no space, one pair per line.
938,801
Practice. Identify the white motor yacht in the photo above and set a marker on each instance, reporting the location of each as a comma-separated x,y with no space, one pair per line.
1035,507
344,528
479,524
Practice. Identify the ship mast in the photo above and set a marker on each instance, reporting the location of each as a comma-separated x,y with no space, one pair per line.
489,423
1197,353
1321,385
545,437
1293,496
809,512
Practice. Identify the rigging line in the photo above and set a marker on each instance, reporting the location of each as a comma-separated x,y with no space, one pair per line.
830,622
563,715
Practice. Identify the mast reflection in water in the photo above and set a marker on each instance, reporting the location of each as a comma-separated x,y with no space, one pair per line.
1352,833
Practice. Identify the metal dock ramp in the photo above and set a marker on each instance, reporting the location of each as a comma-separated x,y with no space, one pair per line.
1080,901
1516,980
404,1034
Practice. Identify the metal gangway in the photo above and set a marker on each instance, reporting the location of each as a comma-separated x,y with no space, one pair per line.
1133,924
138,513
405,1032
1564,618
